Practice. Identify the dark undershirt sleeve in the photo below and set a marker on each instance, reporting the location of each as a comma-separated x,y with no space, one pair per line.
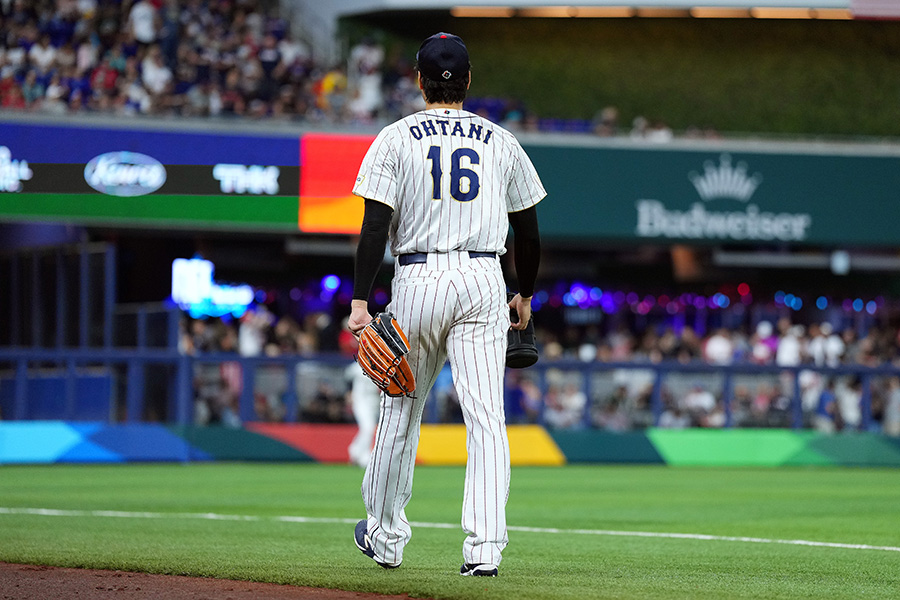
369,253
527,246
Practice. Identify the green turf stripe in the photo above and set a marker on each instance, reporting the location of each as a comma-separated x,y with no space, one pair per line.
576,532
225,443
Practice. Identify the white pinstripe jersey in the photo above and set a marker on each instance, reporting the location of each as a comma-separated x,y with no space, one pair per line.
451,178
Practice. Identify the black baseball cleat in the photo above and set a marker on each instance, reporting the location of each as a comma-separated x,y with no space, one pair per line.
361,537
483,570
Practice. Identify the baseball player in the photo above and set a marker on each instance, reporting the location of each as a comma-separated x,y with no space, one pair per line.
365,399
445,185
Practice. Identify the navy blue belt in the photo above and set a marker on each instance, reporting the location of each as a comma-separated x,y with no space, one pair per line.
421,257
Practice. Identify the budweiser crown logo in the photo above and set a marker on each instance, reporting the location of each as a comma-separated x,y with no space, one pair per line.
725,180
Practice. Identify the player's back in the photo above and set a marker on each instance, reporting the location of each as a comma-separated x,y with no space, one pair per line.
453,174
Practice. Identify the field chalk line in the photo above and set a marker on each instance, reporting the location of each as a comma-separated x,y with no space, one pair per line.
52,512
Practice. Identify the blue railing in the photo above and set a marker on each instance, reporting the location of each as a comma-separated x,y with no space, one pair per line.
128,370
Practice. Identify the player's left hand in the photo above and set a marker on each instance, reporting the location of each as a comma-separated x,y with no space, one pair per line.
522,306
359,316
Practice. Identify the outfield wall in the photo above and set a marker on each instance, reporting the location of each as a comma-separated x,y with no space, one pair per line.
47,442
299,182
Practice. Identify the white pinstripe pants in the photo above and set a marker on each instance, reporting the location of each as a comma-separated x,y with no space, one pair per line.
452,307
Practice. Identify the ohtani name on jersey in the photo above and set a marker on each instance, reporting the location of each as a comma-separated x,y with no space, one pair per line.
443,127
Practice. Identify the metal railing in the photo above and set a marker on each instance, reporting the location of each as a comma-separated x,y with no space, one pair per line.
174,390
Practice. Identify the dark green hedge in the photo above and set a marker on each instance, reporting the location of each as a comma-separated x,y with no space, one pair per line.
737,75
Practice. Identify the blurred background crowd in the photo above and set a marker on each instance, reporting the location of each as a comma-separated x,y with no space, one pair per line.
617,396
194,58
238,59
226,59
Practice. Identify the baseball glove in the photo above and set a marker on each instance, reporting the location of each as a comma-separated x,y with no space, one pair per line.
521,349
382,356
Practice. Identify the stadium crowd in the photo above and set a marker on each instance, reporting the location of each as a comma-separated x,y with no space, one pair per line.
226,59
618,396
239,59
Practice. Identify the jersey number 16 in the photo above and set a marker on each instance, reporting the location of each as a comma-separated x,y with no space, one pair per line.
458,173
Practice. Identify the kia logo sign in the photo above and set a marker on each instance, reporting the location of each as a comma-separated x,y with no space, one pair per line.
125,174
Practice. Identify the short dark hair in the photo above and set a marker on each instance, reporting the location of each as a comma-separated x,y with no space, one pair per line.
444,92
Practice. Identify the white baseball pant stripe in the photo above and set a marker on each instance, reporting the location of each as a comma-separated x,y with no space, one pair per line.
452,307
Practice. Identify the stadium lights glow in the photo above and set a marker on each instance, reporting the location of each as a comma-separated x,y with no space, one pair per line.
839,14
604,11
482,11
653,12
700,12
718,12
547,11
780,13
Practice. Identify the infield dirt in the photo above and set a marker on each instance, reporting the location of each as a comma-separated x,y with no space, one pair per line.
32,582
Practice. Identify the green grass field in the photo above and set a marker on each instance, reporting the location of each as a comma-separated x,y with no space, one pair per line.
562,541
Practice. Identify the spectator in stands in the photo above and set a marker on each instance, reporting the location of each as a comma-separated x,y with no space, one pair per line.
673,417
117,58
32,91
716,417
65,57
42,56
698,403
826,417
831,351
103,82
326,406
157,77
811,385
891,420
143,22
513,398
564,406
848,394
689,346
364,78
606,122
718,349
232,375
763,399
639,127
741,405
253,331
851,345
869,348
88,52
763,344
638,408
232,97
658,132
790,347
331,93
532,400
284,337
610,414
621,342
55,96
13,98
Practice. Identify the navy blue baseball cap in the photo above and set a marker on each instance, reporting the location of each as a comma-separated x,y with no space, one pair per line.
443,57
